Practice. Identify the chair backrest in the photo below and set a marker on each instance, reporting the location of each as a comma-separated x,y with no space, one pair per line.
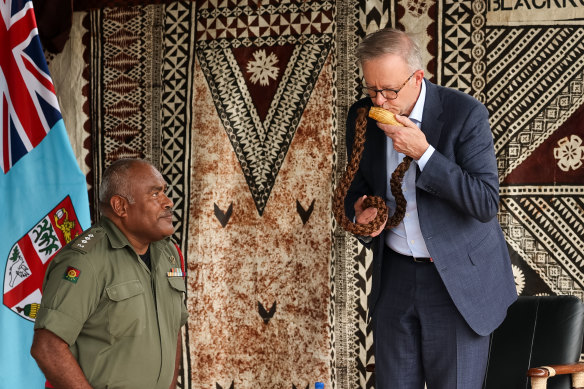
538,331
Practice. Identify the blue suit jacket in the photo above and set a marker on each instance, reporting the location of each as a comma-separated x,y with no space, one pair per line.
458,200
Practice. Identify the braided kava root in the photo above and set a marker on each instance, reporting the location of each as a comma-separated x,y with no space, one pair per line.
370,201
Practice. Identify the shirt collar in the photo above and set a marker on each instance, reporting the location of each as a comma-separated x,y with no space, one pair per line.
419,107
116,237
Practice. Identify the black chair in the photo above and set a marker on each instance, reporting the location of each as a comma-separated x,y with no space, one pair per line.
540,338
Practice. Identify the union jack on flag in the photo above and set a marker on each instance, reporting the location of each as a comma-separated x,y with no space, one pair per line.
28,103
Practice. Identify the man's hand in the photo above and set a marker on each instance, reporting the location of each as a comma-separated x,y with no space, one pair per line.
365,216
177,360
408,140
54,358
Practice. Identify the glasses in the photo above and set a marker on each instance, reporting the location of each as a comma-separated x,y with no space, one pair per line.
389,94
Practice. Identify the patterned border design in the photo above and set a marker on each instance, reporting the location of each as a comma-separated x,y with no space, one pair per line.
455,58
374,15
345,374
545,225
176,113
533,97
239,21
478,52
177,70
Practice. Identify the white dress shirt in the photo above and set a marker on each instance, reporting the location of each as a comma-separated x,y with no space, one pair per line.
406,238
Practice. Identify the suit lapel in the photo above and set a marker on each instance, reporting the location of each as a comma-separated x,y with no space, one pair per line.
431,119
382,169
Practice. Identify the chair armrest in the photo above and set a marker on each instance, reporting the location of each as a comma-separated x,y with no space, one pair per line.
539,375
545,371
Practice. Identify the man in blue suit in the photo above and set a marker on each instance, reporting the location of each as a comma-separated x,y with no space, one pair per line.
442,278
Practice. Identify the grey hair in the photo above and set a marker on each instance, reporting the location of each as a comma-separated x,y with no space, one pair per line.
390,41
116,181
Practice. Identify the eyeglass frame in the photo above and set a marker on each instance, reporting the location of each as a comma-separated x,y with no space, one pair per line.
367,90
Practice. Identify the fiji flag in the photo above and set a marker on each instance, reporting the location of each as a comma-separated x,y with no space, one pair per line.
43,194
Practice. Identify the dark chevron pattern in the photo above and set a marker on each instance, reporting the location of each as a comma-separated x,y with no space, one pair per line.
261,145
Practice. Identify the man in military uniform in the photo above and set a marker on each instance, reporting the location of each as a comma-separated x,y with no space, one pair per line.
113,299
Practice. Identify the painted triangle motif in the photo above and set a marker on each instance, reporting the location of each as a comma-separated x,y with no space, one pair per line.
260,93
262,69
558,160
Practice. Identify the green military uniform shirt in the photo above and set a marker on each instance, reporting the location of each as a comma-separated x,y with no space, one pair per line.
120,319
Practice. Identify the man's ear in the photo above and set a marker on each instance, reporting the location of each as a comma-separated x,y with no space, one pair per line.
419,76
119,205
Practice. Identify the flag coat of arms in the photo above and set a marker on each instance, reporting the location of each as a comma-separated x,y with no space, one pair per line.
29,258
43,192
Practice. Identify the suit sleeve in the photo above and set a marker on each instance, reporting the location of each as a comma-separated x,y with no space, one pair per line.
463,170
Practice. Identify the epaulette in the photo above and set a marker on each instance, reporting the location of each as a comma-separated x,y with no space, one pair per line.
85,242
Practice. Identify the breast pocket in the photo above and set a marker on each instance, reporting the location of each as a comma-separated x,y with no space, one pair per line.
177,283
177,291
126,309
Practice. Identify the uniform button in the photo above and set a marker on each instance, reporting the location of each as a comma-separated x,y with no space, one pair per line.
412,241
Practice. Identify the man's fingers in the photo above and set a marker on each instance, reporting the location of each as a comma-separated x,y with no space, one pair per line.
358,206
379,230
367,215
404,120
